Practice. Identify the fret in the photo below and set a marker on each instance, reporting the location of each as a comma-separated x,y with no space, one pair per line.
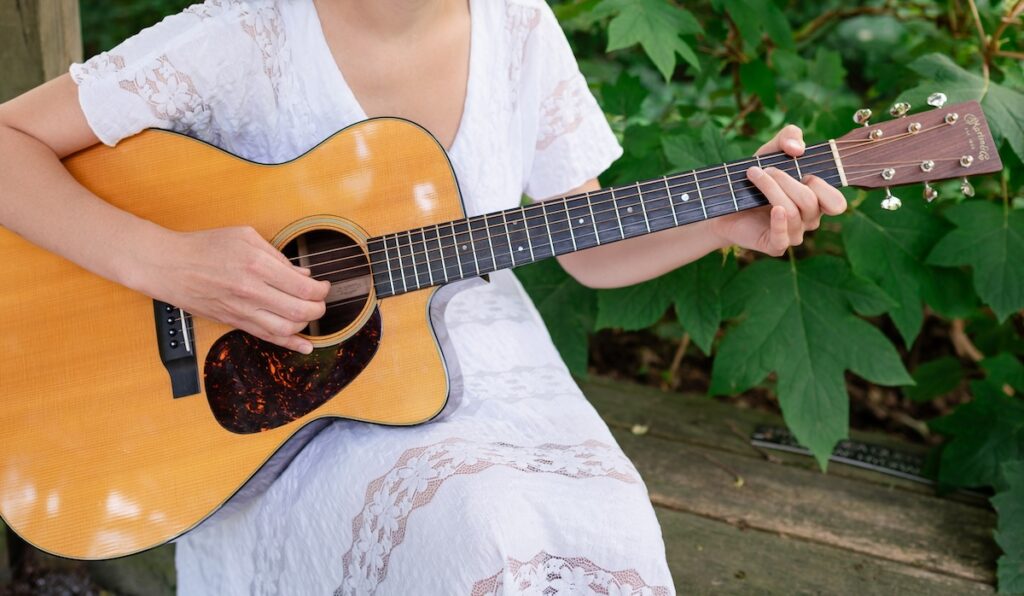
481,241
560,228
500,253
378,266
547,224
464,238
655,204
610,227
446,240
508,236
435,256
404,260
581,222
568,222
387,259
615,207
796,162
675,218
426,254
643,208
419,259
700,195
458,247
537,232
728,178
590,207
526,229
517,236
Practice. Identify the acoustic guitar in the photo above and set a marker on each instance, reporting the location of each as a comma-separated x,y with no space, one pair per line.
126,421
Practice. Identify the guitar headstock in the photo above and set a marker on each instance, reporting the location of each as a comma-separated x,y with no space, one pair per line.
939,144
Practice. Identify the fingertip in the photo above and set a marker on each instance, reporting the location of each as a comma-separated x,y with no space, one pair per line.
306,348
754,172
303,270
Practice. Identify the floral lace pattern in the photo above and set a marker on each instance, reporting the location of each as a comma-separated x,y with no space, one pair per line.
172,96
562,112
548,575
520,23
414,480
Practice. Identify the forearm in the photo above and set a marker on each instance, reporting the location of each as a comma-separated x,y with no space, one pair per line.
632,261
42,202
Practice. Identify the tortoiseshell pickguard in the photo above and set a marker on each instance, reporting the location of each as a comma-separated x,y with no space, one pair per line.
254,386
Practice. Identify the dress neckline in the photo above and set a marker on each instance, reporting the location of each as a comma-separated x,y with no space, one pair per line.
342,88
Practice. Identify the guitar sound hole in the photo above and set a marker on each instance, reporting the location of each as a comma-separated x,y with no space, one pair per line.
338,258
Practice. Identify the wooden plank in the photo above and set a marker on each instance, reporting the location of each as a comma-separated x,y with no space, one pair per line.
39,39
928,532
698,420
711,557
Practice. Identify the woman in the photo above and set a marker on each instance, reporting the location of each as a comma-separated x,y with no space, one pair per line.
519,487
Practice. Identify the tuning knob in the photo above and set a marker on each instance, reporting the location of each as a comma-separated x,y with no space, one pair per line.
891,202
899,109
937,100
966,187
930,194
862,116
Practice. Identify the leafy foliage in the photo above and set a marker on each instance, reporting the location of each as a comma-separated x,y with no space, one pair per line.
1010,506
937,285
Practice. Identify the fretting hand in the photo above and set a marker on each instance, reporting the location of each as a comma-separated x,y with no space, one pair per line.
796,205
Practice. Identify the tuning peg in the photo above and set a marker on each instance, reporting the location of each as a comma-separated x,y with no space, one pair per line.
862,116
966,187
937,100
930,194
899,109
891,202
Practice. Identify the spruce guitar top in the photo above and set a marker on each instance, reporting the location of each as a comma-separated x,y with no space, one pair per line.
127,421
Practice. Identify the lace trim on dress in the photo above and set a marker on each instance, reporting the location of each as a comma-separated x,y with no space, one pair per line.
172,96
414,480
519,24
551,575
562,111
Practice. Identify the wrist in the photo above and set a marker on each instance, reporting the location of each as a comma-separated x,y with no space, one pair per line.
148,250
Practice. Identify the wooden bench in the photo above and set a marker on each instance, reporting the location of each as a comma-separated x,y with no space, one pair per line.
737,520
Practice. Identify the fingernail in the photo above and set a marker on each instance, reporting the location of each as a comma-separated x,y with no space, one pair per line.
304,270
754,172
795,145
306,349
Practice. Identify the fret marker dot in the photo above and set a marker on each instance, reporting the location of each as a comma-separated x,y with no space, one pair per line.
581,220
685,197
519,248
463,247
629,209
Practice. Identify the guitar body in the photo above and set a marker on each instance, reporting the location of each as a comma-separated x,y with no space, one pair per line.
98,458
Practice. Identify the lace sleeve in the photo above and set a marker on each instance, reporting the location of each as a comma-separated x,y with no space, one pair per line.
173,74
571,140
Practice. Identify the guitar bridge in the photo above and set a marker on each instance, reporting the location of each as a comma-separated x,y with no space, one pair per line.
176,343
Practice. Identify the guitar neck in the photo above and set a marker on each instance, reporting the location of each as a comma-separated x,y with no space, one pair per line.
442,253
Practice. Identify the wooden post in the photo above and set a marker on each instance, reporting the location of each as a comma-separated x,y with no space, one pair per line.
39,39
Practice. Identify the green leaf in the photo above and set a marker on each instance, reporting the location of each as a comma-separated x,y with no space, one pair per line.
1005,370
687,151
986,432
637,306
757,78
654,24
800,323
1009,504
949,292
890,248
625,96
756,17
990,239
935,378
698,300
1001,104
567,307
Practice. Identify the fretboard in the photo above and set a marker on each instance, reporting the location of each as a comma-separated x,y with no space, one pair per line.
441,253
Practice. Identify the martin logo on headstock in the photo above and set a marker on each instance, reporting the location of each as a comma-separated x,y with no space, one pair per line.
940,144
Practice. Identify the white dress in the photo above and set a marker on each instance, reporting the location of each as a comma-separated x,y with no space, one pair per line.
518,488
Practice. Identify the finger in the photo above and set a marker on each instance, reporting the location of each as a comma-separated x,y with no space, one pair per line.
778,234
801,194
791,140
289,341
290,281
289,307
773,192
831,200
272,324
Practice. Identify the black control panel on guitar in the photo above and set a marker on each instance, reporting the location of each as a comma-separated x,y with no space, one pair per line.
176,343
